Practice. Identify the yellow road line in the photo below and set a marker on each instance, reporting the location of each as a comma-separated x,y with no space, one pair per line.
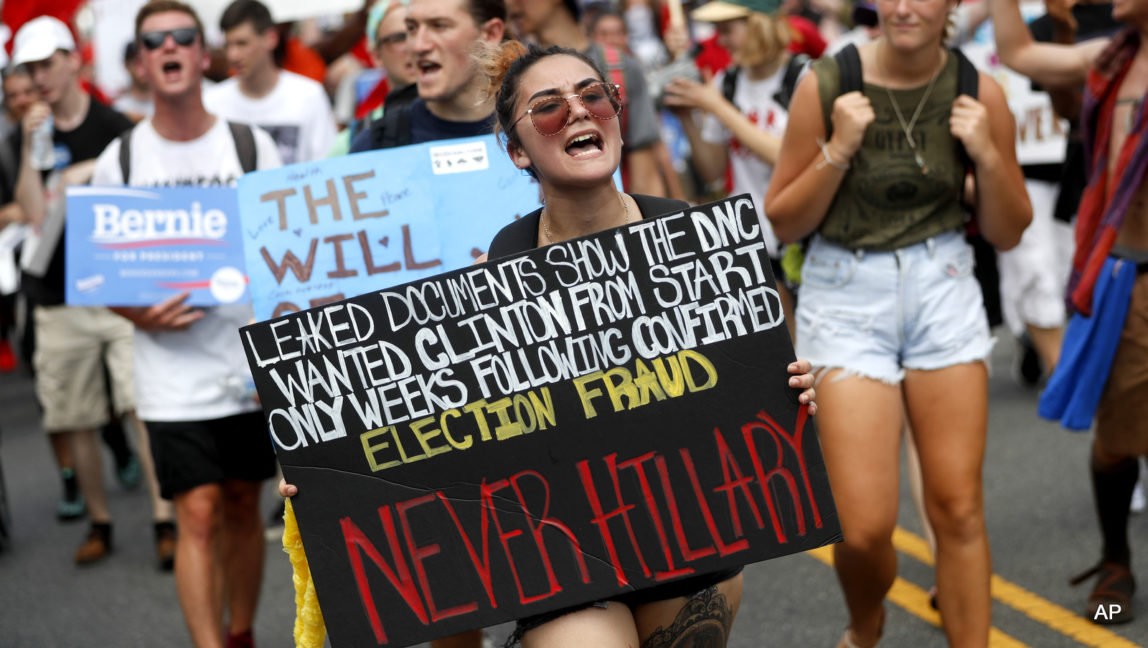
916,601
1032,605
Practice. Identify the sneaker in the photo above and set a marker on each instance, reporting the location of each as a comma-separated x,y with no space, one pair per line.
1027,370
165,545
129,474
71,505
1111,599
96,546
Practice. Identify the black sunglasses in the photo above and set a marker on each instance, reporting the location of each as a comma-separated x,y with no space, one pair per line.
183,37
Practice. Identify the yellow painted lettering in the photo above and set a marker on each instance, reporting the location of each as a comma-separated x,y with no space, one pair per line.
370,449
701,361
543,408
619,383
478,410
507,427
670,378
523,411
425,437
647,383
456,444
587,395
403,451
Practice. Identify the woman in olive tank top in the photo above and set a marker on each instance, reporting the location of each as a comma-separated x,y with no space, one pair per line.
890,313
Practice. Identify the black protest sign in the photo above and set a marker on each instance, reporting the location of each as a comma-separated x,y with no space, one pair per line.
589,418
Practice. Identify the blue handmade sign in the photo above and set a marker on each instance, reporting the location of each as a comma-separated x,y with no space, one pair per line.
319,232
130,246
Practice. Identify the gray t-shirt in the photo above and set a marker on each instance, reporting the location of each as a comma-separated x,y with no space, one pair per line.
641,119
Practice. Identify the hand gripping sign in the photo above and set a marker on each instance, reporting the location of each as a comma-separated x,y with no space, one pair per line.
598,416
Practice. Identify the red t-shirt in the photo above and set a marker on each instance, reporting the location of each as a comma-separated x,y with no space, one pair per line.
301,59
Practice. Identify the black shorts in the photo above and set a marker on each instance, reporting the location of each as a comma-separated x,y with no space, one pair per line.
686,587
193,453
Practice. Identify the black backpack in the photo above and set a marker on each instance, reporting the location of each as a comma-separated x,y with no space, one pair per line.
783,95
394,127
968,82
849,62
241,133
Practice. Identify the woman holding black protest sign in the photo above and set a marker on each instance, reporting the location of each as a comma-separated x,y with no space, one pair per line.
874,163
557,114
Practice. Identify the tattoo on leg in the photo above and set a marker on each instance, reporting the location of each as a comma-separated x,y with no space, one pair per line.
704,622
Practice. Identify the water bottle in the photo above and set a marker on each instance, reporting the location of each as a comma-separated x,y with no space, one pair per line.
241,389
43,149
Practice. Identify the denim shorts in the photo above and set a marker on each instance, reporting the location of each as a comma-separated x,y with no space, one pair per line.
876,314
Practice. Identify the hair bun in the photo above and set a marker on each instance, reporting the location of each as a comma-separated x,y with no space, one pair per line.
496,61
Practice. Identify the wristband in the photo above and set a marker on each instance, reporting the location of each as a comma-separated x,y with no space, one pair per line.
827,159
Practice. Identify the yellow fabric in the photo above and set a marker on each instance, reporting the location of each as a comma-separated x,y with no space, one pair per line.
310,631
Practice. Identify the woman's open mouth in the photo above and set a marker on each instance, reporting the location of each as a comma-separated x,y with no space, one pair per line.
584,145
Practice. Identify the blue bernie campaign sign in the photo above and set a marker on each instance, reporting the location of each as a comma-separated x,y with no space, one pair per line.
320,232
134,246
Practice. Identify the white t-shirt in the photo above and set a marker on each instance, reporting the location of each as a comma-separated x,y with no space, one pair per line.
129,103
297,114
199,373
750,173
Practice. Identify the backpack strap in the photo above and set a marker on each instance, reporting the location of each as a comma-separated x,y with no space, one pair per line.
729,82
393,130
244,145
616,72
968,78
8,162
968,83
793,69
126,154
849,63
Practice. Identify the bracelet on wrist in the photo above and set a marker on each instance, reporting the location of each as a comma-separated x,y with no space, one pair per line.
827,158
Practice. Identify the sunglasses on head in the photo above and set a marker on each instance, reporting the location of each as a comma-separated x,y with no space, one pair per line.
551,115
183,37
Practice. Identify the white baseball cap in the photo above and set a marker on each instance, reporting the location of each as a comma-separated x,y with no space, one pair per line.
39,38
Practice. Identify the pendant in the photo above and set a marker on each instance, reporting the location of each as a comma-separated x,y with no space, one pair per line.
921,163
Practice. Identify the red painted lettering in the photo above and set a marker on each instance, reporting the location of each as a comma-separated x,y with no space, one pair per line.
648,494
728,463
505,536
419,554
481,567
704,507
357,541
794,441
545,521
602,519
676,517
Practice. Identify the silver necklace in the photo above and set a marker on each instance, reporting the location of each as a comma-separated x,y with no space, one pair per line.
908,128
546,220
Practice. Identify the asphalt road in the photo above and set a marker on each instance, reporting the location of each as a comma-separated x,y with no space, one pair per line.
1041,526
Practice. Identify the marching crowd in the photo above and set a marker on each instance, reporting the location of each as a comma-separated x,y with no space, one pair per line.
897,217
